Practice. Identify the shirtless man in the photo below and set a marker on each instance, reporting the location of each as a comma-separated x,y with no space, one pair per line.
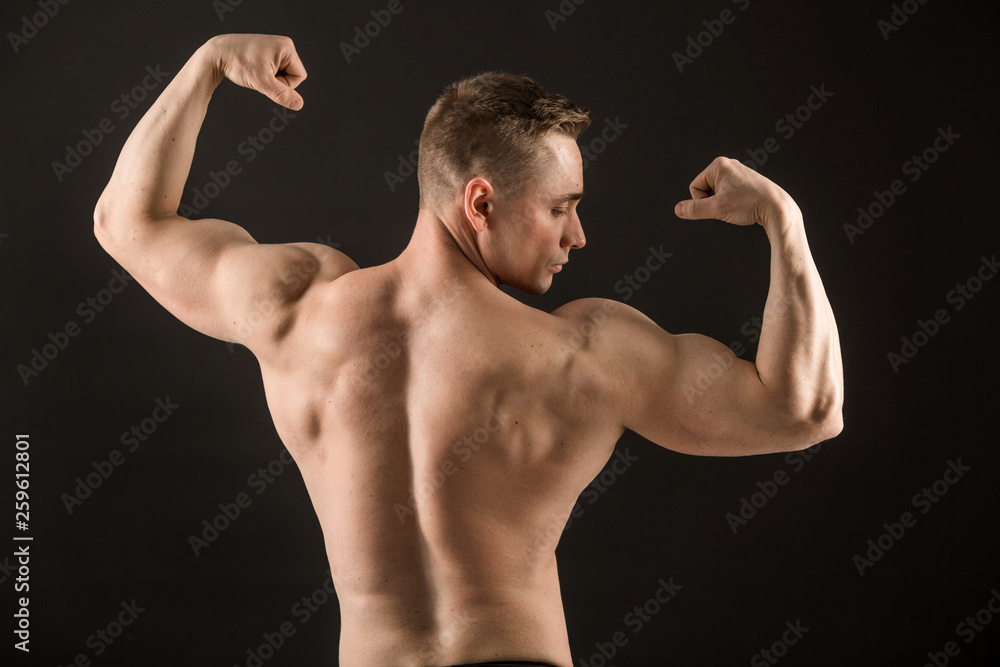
444,430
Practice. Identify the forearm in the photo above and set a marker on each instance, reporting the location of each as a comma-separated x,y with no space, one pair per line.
149,177
798,357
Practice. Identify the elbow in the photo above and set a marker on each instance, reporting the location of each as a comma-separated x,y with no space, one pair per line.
824,422
100,218
828,428
102,223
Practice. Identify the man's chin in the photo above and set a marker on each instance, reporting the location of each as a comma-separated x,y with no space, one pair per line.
536,288
542,286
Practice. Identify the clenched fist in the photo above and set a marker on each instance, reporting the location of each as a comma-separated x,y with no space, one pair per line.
730,191
265,63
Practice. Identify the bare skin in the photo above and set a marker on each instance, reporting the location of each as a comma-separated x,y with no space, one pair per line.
444,430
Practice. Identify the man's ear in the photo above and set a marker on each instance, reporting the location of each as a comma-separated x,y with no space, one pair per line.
478,203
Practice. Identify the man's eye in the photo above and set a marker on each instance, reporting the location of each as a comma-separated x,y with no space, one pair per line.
558,211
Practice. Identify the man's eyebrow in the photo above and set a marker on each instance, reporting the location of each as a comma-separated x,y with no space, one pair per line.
568,197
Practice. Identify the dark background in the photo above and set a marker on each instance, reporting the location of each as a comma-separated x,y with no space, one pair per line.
323,178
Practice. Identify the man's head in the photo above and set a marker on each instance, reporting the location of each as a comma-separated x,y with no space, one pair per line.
498,156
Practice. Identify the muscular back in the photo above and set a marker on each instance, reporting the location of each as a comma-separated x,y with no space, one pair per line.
443,429
444,433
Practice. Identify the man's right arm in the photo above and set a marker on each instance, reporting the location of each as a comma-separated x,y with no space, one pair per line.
210,273
690,393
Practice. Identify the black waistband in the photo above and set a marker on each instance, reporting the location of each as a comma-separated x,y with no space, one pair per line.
509,663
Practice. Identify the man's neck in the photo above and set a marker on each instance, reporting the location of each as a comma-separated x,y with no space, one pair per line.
443,248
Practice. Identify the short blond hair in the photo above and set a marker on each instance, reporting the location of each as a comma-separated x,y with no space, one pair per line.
490,125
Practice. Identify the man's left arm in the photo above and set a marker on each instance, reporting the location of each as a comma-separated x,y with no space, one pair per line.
690,393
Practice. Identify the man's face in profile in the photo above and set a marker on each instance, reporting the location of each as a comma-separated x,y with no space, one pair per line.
528,238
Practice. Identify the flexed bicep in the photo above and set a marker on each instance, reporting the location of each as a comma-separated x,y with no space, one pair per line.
213,276
687,392
702,399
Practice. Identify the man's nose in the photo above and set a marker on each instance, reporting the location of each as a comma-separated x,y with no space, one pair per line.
575,236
